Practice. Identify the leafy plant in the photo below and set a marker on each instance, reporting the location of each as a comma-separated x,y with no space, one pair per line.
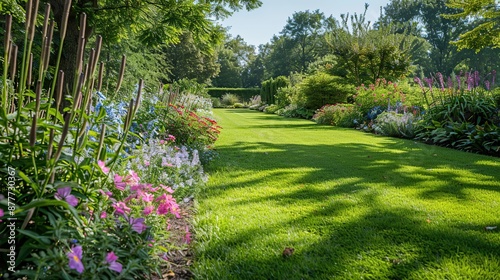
321,89
343,115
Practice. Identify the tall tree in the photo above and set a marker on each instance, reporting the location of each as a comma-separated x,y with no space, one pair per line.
366,54
188,60
304,30
234,57
152,21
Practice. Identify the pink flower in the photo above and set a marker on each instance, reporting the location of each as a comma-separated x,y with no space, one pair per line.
103,167
75,258
121,208
119,184
132,178
137,224
188,235
147,197
167,204
113,264
146,163
1,214
167,189
171,138
106,194
65,193
148,210
103,215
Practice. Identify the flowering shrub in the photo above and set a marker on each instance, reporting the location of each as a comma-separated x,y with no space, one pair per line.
381,95
343,115
395,124
189,128
161,162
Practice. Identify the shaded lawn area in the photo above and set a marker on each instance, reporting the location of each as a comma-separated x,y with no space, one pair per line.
351,204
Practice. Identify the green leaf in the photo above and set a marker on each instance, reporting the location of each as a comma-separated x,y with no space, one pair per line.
35,236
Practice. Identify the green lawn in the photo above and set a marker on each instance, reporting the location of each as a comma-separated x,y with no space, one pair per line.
352,205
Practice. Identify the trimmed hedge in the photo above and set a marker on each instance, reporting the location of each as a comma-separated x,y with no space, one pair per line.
243,93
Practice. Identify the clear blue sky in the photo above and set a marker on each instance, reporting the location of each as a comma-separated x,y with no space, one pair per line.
258,26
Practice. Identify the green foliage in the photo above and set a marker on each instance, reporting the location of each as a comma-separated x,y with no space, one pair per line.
230,99
321,88
463,117
295,111
270,88
343,115
368,54
271,109
190,59
239,105
216,102
487,33
243,93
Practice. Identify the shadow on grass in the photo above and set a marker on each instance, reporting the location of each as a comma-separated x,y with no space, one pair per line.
381,242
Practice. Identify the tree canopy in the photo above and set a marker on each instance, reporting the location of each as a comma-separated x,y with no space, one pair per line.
486,13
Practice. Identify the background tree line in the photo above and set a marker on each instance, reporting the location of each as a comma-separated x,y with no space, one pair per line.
166,41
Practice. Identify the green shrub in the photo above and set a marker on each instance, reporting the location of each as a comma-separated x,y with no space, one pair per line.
294,111
216,103
271,109
239,105
321,89
343,115
270,88
395,125
230,99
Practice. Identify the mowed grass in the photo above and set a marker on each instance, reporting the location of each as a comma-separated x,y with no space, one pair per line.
352,205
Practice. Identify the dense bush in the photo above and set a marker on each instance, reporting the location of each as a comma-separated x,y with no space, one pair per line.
321,89
271,109
343,115
293,111
230,99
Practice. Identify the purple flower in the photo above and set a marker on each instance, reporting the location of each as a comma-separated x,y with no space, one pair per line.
75,258
493,76
450,83
441,80
113,264
65,193
137,224
476,78
487,84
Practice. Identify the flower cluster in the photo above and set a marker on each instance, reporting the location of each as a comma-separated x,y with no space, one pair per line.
381,94
162,162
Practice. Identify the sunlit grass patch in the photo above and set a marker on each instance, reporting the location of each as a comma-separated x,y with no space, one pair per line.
352,205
